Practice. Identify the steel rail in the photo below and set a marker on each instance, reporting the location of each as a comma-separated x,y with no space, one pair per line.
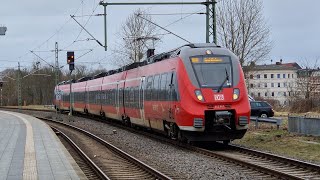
295,162
97,170
265,170
120,152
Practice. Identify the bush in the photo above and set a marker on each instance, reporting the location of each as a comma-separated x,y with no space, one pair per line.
301,105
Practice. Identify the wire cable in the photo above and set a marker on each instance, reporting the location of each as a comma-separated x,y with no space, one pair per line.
197,12
82,28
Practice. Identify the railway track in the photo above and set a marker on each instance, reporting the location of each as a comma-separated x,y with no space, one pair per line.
266,165
88,167
256,163
113,162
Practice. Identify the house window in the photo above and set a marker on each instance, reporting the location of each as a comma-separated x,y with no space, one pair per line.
259,94
272,76
278,76
284,93
272,94
251,76
265,85
284,75
288,75
252,94
272,84
278,84
265,94
258,76
284,84
289,94
258,84
265,76
251,85
292,75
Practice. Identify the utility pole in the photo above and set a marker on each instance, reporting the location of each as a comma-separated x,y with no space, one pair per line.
1,84
211,30
70,113
105,28
56,70
19,86
3,30
211,36
70,61
1,96
56,64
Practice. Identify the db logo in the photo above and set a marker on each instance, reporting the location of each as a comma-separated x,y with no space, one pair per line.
219,97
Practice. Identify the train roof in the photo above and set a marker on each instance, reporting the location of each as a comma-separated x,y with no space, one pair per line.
84,79
155,58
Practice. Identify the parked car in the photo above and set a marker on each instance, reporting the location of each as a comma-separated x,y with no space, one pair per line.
261,109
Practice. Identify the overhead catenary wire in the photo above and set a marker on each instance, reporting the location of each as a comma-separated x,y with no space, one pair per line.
87,31
82,28
54,34
139,15
173,14
197,12
42,59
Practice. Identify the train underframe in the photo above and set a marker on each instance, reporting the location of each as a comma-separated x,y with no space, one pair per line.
217,126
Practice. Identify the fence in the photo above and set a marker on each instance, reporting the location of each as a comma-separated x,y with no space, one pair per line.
255,119
304,125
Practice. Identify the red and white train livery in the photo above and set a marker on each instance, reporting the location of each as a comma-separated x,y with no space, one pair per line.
195,92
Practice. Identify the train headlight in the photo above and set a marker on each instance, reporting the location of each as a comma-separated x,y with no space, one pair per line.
199,95
236,94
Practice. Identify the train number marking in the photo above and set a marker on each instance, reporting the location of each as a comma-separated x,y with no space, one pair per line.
219,97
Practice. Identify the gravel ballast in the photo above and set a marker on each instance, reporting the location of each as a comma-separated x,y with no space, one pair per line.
181,163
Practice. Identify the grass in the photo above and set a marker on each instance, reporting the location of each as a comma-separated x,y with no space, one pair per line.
283,143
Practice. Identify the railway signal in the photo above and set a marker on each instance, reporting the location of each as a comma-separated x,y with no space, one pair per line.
70,60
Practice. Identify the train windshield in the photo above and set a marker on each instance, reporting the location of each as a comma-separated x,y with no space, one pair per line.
213,71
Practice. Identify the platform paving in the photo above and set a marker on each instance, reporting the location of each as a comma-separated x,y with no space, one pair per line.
30,150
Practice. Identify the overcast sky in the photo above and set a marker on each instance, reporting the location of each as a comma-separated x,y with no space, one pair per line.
38,24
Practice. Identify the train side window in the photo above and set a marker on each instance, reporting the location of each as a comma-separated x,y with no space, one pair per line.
126,99
111,97
163,82
131,97
76,97
114,96
167,90
148,91
155,88
136,97
120,97
108,97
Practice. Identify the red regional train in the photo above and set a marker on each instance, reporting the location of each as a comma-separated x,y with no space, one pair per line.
196,92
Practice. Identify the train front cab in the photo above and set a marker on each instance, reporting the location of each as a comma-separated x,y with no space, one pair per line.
214,105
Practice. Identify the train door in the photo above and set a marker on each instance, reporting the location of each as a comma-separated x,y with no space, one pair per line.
118,101
172,95
141,101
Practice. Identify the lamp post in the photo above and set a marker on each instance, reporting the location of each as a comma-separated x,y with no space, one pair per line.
3,30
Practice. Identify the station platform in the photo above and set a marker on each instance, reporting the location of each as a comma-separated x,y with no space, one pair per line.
29,149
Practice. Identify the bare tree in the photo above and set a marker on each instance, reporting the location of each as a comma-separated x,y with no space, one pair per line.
305,90
135,35
243,29
308,82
